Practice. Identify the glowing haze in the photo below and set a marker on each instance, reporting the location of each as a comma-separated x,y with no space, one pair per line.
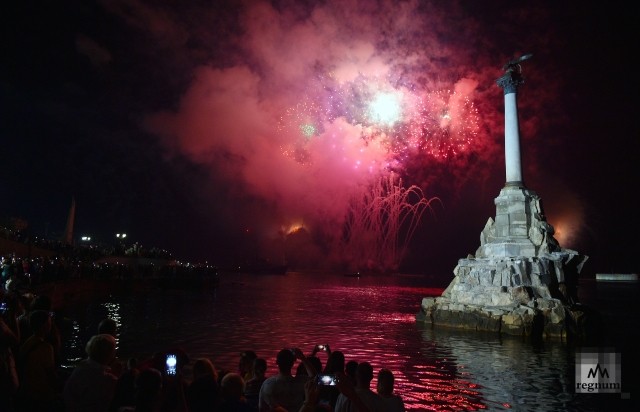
295,108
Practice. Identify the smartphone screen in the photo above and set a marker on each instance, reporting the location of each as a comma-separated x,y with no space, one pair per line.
171,364
326,380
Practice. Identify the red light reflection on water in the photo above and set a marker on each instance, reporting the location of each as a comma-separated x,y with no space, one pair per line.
428,378
442,393
368,319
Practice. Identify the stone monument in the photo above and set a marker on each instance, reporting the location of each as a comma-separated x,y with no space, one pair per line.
520,281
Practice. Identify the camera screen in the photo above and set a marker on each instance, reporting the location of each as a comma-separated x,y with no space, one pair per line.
326,380
171,364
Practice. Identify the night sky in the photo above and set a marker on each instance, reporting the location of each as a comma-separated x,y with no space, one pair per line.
179,123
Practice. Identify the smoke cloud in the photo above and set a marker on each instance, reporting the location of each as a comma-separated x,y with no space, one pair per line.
275,101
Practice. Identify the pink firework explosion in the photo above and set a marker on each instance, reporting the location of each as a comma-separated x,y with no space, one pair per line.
445,124
401,122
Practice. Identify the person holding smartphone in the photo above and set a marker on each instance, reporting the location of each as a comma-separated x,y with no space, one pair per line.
334,366
174,385
345,387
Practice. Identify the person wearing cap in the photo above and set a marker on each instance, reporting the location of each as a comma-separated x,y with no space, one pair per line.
283,389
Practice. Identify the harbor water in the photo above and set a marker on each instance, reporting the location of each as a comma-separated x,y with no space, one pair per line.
370,318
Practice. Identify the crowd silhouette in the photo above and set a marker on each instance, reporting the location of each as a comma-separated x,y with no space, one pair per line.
32,379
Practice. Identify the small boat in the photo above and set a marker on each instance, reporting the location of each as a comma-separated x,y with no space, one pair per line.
616,277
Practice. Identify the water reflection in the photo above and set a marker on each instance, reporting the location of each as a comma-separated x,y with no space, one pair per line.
370,319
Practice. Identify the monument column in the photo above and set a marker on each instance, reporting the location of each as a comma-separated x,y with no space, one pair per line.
510,82
516,206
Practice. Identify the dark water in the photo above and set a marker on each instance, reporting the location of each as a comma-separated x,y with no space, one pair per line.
370,319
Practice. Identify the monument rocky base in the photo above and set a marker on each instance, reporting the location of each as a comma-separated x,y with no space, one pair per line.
527,297
520,281
551,320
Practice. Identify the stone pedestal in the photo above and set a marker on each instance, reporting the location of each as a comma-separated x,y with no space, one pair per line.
520,280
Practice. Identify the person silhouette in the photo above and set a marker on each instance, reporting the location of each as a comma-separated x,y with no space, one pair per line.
373,401
283,389
39,383
384,387
334,366
245,365
253,385
203,393
91,386
233,399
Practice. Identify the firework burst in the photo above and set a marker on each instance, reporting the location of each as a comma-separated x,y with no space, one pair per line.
445,124
398,121
301,122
